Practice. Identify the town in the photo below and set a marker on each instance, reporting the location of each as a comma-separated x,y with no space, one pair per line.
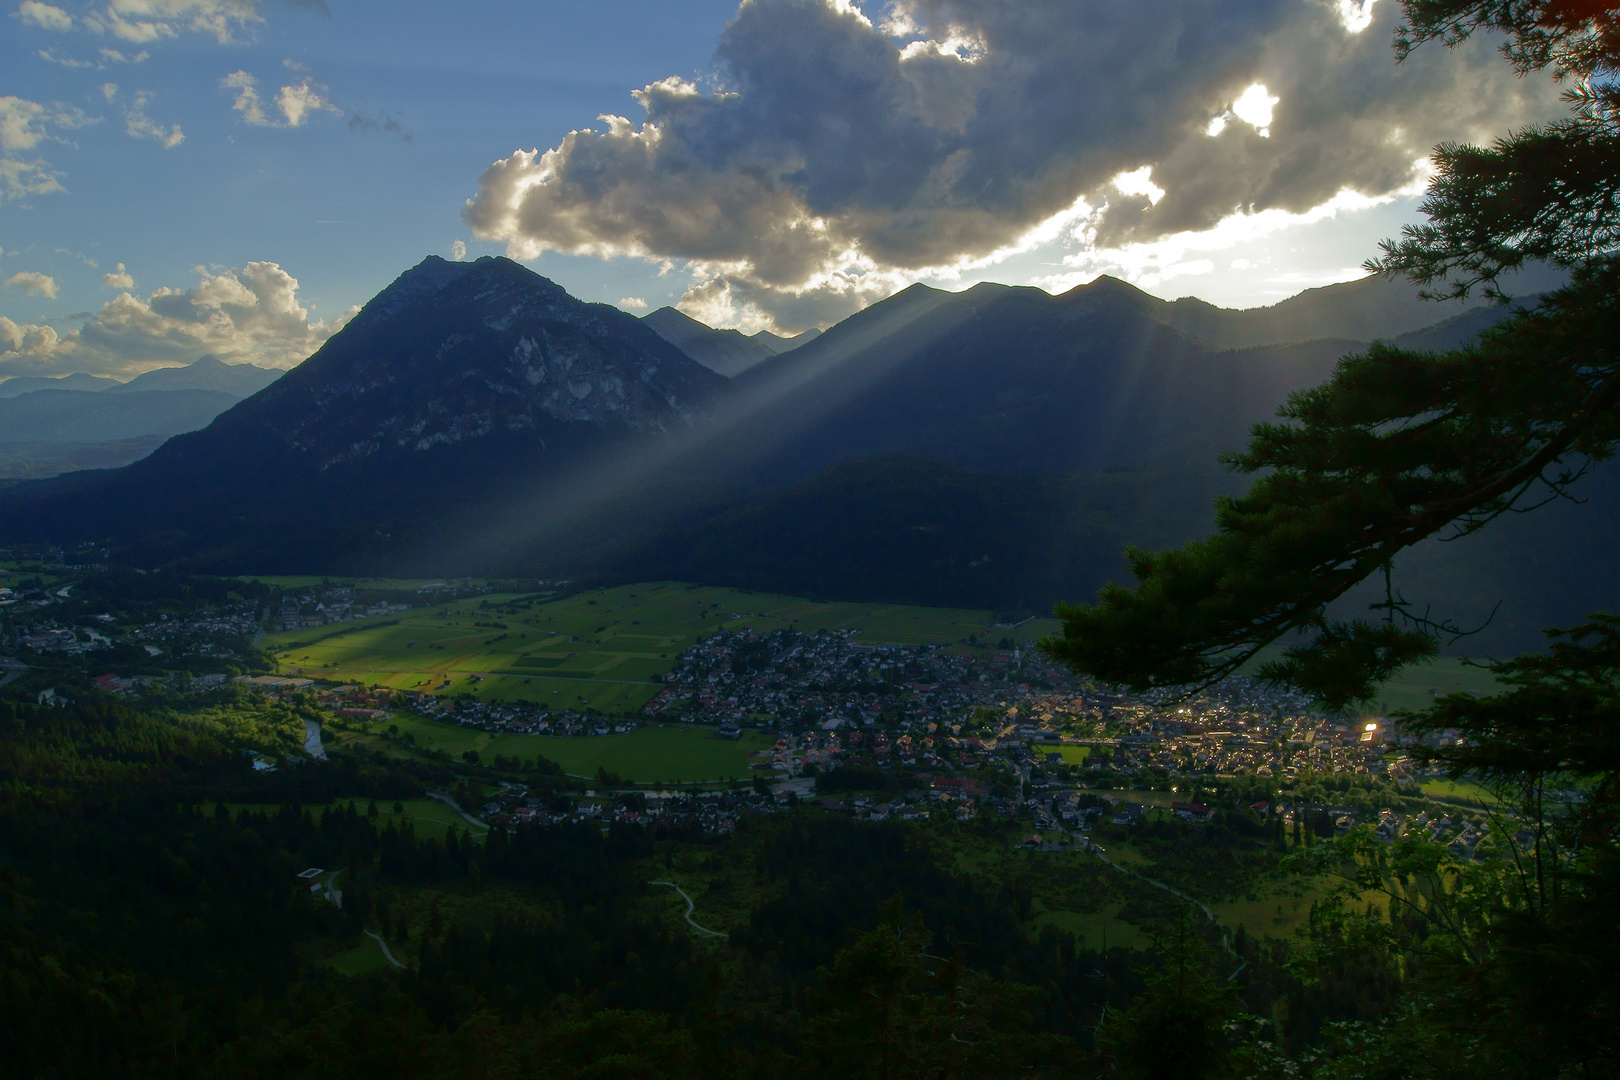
879,731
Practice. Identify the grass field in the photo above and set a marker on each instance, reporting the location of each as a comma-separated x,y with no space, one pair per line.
1457,789
1417,687
599,649
673,754
429,816
362,959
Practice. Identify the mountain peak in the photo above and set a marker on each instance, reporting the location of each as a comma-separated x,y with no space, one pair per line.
450,353
207,372
418,283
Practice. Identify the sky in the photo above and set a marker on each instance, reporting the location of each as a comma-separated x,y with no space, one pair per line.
236,177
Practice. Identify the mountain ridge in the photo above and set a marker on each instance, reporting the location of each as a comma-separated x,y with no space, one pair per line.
995,446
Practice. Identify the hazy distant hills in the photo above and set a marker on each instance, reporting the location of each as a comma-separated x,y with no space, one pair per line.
27,384
206,373
81,416
725,352
54,425
1363,310
996,447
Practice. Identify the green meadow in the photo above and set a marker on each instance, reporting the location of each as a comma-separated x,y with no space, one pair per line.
1417,687
599,649
429,817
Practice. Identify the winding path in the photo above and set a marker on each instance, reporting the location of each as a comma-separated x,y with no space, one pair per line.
1226,939
704,930
452,804
386,953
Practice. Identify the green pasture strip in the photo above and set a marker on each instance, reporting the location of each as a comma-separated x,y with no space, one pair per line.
1458,789
362,959
1097,929
673,754
1072,755
1279,909
429,816
1419,687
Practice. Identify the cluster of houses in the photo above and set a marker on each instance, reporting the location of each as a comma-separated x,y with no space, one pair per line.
517,717
796,681
226,631
716,813
300,612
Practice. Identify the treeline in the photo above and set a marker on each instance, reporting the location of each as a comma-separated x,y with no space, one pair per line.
147,930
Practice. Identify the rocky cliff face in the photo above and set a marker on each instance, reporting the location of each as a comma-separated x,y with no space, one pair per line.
455,352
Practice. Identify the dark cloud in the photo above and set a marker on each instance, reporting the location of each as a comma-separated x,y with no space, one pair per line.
841,153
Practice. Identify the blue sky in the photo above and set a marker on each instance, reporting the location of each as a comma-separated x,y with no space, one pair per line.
260,168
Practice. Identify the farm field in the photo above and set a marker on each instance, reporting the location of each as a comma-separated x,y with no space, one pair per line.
1457,789
1072,755
670,754
598,650
1417,687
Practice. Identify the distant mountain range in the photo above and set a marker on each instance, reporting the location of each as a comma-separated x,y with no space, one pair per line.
996,447
18,385
47,424
206,373
81,415
725,352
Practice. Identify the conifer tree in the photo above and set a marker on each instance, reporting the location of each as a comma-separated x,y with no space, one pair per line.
1399,446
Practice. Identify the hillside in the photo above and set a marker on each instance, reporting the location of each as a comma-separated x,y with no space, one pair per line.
725,352
997,447
457,380
86,415
204,373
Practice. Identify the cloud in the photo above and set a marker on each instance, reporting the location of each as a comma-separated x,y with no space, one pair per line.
118,279
44,16
834,156
633,302
54,56
247,98
143,21
458,250
109,57
30,282
1151,263
248,314
139,126
296,102
24,125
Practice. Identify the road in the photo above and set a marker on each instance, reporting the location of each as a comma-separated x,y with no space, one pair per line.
452,804
1226,939
386,953
704,930
312,740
